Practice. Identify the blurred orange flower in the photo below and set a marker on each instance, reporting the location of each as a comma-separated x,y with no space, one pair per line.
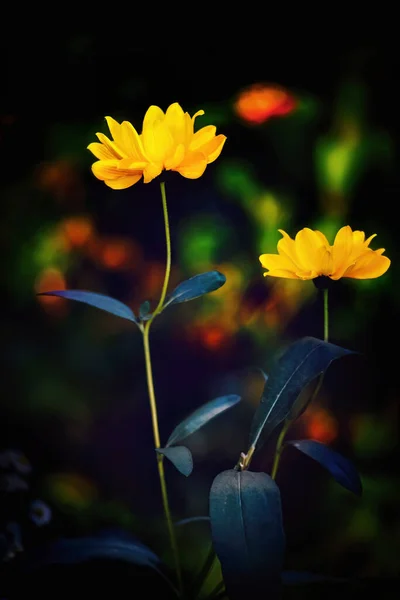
259,102
310,255
167,142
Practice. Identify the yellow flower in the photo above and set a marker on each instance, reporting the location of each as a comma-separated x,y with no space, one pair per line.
310,255
167,142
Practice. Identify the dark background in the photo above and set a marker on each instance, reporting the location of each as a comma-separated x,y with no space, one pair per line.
74,398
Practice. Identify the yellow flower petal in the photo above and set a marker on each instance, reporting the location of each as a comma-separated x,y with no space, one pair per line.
199,113
341,252
287,247
129,164
131,141
115,150
213,149
151,171
307,245
109,169
278,262
203,136
175,160
281,273
153,114
176,123
114,128
100,151
106,169
157,141
369,266
193,165
123,182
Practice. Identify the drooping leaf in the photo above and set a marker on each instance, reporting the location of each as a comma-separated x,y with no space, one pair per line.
341,468
81,549
106,303
300,364
201,416
181,458
105,545
196,286
144,311
247,532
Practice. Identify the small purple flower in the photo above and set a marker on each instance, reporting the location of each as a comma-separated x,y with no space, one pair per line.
40,513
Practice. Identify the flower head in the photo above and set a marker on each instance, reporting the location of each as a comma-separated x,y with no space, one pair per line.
310,255
167,142
258,103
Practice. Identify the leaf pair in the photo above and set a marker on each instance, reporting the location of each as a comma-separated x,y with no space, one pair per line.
287,392
181,456
187,290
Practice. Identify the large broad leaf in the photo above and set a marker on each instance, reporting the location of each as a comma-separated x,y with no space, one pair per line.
181,458
247,532
300,364
196,286
341,468
110,305
105,545
201,416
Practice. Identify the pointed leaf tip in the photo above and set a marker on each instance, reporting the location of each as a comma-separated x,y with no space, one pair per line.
341,468
196,286
101,301
181,458
201,416
302,362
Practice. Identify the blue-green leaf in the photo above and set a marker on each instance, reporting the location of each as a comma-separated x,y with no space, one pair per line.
341,468
300,364
105,545
181,458
201,416
110,305
81,549
190,520
196,286
144,311
247,532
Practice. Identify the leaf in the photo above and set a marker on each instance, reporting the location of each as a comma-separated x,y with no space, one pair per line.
195,287
247,532
81,549
144,311
106,303
105,545
181,458
341,468
201,416
300,364
190,520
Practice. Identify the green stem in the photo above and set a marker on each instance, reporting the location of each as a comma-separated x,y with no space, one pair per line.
279,444
326,315
168,247
279,448
152,397
205,571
